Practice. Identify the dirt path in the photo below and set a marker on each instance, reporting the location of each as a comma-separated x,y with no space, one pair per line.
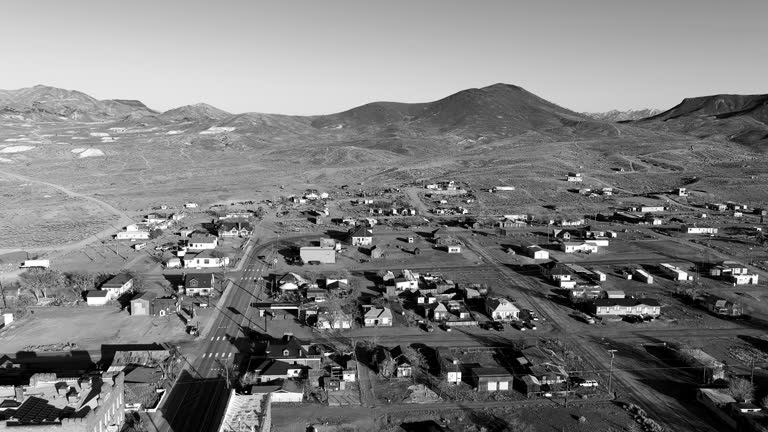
365,379
61,249
413,194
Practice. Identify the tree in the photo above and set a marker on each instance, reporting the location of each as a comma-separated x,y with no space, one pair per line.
78,282
155,233
40,282
139,284
741,389
764,402
416,359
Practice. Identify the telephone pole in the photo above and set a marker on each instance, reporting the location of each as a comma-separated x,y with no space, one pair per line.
610,373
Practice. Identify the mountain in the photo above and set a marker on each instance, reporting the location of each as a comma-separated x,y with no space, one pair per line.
738,118
618,116
500,110
195,112
44,103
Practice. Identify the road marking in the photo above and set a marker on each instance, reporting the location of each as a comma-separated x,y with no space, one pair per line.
230,355
212,336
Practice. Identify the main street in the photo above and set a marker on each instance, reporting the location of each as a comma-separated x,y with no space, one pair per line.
197,400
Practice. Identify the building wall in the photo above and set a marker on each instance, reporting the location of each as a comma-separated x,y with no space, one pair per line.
140,307
325,256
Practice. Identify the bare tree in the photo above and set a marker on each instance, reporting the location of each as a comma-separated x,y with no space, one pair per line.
78,282
416,359
741,389
40,282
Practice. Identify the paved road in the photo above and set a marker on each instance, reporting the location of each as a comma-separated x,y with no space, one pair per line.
197,401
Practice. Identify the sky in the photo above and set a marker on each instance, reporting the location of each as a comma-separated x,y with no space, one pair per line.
319,57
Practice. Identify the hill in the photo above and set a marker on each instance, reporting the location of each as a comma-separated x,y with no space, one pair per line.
196,112
628,115
738,118
44,103
497,110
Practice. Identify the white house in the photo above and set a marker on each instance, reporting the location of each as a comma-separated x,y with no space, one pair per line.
698,230
132,232
97,297
453,248
377,317
361,236
574,177
626,306
204,259
501,309
643,276
190,205
117,286
572,247
674,272
536,252
202,242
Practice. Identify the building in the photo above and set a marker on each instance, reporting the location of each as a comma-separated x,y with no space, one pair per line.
643,276
252,412
202,242
673,272
377,316
734,272
207,258
147,304
333,320
271,370
449,365
716,206
583,247
133,232
198,284
721,306
361,236
287,391
453,248
574,177
536,252
626,306
65,404
492,379
688,229
323,255
501,309
235,229
651,209
118,285
97,297
713,369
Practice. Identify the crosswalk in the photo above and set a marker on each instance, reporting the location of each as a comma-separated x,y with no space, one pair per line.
217,355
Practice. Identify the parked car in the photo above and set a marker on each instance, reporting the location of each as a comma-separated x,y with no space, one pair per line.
495,325
530,325
517,325
427,327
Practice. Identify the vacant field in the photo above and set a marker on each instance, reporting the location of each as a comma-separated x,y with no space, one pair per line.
89,328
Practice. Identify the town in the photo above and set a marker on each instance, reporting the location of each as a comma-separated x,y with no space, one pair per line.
409,299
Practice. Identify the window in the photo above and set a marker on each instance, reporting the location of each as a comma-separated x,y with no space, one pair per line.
286,353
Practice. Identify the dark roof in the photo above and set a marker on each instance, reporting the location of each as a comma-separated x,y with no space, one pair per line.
146,295
228,225
198,280
362,231
491,372
293,346
96,293
277,367
117,281
35,410
626,302
9,404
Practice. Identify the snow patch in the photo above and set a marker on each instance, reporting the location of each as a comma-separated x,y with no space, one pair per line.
91,153
217,129
16,149
6,160
78,150
99,134
174,132
16,139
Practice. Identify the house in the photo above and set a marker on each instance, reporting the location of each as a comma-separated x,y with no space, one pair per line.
730,205
549,373
449,365
458,314
574,177
377,316
323,255
501,309
716,206
190,205
536,252
339,286
361,236
202,242
721,306
147,304
133,232
317,295
717,401
235,229
625,306
527,385
734,272
198,284
651,209
437,311
673,272
401,364
643,276
173,262
584,247
291,350
205,259
286,391
698,230
156,218
712,368
453,248
117,285
97,297
491,379
333,320
272,370
681,191
613,294
408,280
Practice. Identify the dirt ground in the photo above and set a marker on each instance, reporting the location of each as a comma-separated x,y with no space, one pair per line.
89,328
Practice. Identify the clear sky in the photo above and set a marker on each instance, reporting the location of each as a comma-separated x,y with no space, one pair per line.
324,56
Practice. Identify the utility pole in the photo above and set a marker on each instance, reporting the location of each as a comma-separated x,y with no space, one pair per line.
610,373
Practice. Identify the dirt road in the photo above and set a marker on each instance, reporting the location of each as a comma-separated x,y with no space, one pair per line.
61,249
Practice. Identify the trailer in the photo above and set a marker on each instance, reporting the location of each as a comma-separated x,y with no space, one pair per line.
43,263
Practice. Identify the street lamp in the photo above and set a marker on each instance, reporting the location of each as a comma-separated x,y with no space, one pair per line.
610,373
